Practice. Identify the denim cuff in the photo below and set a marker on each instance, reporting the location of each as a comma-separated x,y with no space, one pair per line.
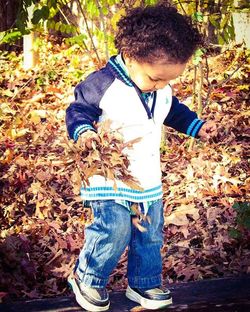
91,280
146,282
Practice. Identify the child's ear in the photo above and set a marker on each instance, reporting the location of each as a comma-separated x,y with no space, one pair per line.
127,60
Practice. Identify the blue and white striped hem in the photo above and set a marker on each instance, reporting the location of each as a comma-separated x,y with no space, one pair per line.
80,129
105,193
194,127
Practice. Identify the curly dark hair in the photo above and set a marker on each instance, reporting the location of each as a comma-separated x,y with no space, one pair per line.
147,33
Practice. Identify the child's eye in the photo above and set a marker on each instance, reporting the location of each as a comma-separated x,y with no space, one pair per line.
152,79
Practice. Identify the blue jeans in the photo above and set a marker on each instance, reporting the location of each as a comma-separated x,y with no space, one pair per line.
108,236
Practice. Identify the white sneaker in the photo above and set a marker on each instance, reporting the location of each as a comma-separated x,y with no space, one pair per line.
89,298
153,299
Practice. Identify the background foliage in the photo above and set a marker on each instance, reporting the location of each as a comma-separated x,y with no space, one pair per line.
91,24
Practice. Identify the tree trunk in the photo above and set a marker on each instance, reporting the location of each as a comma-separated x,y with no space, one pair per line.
30,55
242,27
241,20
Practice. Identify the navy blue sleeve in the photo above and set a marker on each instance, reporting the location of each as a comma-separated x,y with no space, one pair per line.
182,119
85,110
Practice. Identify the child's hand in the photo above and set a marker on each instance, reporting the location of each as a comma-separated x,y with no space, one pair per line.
88,139
207,131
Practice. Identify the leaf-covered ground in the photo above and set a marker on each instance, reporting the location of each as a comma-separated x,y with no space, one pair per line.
41,215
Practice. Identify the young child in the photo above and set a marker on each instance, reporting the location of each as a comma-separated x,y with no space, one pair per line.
132,90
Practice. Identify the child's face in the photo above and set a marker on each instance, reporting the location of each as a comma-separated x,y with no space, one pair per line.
151,77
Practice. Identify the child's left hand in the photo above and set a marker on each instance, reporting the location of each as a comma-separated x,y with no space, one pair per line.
208,130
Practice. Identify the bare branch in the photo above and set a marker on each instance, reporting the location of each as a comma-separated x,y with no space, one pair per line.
211,87
103,29
87,28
